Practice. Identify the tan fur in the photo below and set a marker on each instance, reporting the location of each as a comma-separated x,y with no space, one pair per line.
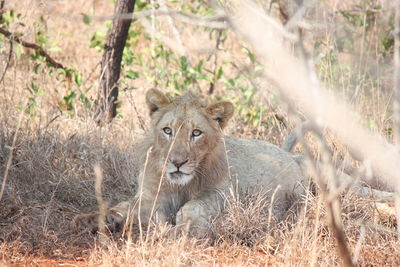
186,178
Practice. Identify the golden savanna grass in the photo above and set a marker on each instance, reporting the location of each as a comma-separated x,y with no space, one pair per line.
51,177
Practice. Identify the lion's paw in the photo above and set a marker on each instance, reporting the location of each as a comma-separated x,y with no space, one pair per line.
88,222
192,219
113,221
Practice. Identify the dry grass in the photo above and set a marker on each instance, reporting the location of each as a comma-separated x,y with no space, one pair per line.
51,178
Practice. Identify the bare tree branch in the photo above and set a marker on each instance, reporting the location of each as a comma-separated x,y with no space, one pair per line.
217,21
12,36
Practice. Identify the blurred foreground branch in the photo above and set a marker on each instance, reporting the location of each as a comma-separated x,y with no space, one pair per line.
328,183
294,82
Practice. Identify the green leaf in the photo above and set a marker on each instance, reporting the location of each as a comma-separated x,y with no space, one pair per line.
36,68
86,18
55,49
85,101
41,39
97,40
131,74
219,73
77,78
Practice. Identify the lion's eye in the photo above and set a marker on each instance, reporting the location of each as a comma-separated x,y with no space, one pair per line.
167,130
196,132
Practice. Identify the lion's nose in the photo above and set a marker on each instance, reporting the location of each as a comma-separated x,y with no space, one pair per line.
178,163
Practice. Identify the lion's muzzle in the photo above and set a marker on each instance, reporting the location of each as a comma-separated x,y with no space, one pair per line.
179,171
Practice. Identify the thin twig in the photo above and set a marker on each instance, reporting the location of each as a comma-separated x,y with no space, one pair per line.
361,239
141,121
175,30
141,195
315,233
8,61
215,53
51,121
161,181
11,154
296,19
270,210
100,202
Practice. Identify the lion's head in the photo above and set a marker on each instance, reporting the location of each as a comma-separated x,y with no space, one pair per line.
185,133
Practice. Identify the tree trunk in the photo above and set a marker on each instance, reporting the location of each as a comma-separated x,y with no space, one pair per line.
111,62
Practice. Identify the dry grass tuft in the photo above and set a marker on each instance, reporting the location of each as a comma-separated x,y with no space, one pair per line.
51,180
236,225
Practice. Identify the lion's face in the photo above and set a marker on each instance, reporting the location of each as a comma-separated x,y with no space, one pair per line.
186,132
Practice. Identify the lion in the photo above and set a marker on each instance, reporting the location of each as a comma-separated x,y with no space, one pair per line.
190,169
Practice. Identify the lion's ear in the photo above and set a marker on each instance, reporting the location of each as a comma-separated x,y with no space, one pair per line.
155,100
221,112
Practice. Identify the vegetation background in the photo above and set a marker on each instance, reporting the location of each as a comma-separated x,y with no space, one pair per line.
46,124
